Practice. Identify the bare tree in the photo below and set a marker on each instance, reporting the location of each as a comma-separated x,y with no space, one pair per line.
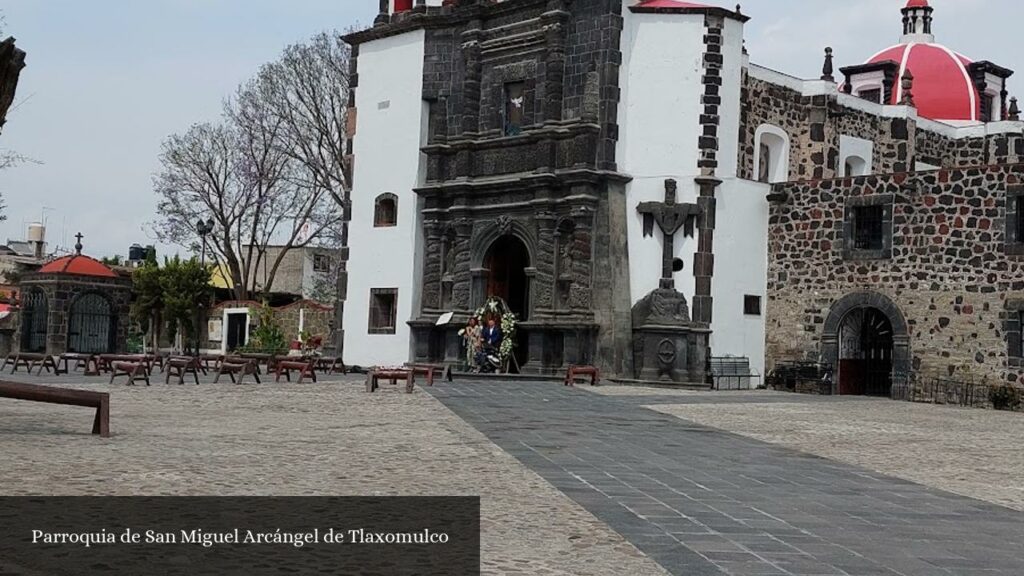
238,174
307,91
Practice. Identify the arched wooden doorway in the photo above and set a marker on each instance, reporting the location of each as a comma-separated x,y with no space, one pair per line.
34,321
866,348
91,325
506,261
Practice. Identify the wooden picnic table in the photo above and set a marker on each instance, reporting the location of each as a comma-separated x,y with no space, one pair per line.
305,367
375,375
31,361
331,365
180,366
106,361
88,362
236,365
209,362
53,395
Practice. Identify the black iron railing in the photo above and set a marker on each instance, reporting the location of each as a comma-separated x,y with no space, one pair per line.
933,389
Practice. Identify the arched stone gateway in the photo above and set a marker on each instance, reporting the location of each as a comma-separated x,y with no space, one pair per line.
35,319
865,340
91,325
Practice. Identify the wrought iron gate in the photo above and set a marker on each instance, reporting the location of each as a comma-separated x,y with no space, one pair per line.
34,320
91,325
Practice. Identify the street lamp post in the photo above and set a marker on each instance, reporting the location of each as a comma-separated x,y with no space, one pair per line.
204,229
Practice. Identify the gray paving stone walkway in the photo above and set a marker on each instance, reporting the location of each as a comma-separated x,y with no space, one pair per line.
701,501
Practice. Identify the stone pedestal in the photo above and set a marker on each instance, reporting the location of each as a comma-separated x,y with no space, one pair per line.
667,346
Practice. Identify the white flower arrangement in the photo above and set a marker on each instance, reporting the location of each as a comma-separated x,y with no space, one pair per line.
496,307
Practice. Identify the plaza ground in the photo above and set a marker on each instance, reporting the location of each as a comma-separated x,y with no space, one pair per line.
574,481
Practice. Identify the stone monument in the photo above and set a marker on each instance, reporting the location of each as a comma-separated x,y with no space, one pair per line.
667,345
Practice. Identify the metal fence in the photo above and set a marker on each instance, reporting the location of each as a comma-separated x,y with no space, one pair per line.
802,377
932,389
733,373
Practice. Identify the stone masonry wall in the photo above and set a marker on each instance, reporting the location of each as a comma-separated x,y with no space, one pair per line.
815,123
950,273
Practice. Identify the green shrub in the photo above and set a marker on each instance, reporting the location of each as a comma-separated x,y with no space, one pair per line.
1004,397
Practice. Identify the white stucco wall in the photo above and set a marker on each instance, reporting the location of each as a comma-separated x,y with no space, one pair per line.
387,159
659,114
741,267
855,147
729,111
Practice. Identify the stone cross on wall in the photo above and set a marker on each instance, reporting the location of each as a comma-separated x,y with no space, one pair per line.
670,216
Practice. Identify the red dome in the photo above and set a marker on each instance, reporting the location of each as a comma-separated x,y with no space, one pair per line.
943,89
917,4
78,264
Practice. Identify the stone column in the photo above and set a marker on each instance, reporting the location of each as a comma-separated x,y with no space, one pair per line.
582,273
432,256
471,81
704,259
383,13
545,283
554,62
462,290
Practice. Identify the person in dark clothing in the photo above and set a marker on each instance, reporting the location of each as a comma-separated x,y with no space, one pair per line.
492,334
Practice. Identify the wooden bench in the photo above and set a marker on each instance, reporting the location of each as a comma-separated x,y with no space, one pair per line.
374,376
577,371
732,373
87,398
180,366
107,361
424,369
209,362
257,358
331,365
155,361
305,368
89,363
241,368
135,371
31,361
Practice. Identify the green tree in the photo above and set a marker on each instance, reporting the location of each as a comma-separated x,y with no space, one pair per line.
186,292
148,300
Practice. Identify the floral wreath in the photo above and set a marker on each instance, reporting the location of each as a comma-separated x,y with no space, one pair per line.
496,308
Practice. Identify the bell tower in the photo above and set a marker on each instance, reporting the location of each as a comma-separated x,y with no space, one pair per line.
917,22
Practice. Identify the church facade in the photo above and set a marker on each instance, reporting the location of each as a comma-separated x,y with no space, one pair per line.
641,195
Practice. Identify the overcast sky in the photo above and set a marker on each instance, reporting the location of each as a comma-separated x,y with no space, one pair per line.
108,80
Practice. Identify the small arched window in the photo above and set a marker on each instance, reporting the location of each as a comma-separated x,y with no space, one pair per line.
385,211
771,154
855,166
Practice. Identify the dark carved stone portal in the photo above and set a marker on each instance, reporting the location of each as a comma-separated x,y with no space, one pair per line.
507,262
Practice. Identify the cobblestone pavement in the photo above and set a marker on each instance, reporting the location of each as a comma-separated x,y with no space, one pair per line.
704,501
305,439
972,452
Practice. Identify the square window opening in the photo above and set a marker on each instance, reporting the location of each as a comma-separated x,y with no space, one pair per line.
752,305
867,228
321,263
1019,221
872,95
383,310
